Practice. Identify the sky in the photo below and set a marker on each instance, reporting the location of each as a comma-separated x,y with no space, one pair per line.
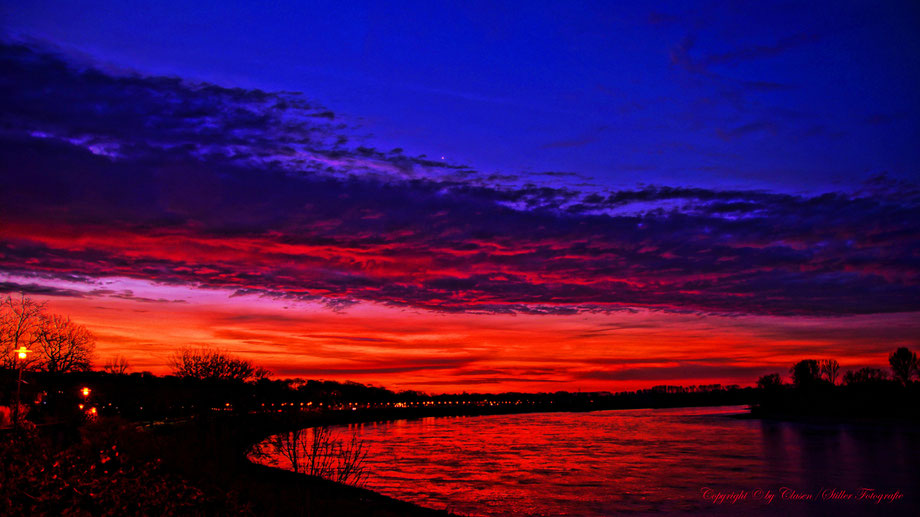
524,196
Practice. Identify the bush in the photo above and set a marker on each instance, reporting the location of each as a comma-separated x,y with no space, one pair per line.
95,477
319,452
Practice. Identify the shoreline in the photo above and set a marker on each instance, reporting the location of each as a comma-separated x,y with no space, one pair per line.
204,462
343,417
214,450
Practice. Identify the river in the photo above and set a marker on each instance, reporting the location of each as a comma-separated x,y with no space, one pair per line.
684,461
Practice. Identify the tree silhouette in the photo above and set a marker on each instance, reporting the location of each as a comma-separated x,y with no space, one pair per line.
829,370
805,373
770,382
903,364
211,364
64,346
317,451
20,319
118,365
865,376
260,373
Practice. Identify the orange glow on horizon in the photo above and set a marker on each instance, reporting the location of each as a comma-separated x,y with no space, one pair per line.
451,353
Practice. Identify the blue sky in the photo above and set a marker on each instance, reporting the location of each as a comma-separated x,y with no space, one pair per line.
810,96
514,196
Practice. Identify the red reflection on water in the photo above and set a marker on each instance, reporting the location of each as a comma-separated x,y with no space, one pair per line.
639,461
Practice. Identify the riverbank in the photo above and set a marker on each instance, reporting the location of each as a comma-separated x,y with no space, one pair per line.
873,403
192,467
195,466
214,449
281,491
212,452
200,467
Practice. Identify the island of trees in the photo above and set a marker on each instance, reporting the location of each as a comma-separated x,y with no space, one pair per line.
817,390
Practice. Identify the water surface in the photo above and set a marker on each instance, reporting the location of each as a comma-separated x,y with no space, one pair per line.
686,461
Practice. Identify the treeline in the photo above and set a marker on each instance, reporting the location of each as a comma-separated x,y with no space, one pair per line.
812,372
146,397
818,390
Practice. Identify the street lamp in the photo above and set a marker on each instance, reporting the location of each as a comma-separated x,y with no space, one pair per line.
21,355
85,391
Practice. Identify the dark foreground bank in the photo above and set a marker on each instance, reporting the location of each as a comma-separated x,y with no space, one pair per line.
197,467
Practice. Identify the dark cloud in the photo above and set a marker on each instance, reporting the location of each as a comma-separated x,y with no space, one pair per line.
129,295
258,193
37,289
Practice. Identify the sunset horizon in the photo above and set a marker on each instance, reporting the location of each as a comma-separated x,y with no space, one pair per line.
195,214
148,338
429,259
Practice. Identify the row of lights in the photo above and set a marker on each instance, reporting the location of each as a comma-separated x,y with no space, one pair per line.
23,351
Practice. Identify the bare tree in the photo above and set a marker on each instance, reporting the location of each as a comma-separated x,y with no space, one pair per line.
351,468
830,369
118,365
20,319
64,346
290,446
317,451
208,363
903,364
321,453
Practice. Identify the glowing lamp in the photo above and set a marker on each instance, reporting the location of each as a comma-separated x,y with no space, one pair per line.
21,352
85,392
